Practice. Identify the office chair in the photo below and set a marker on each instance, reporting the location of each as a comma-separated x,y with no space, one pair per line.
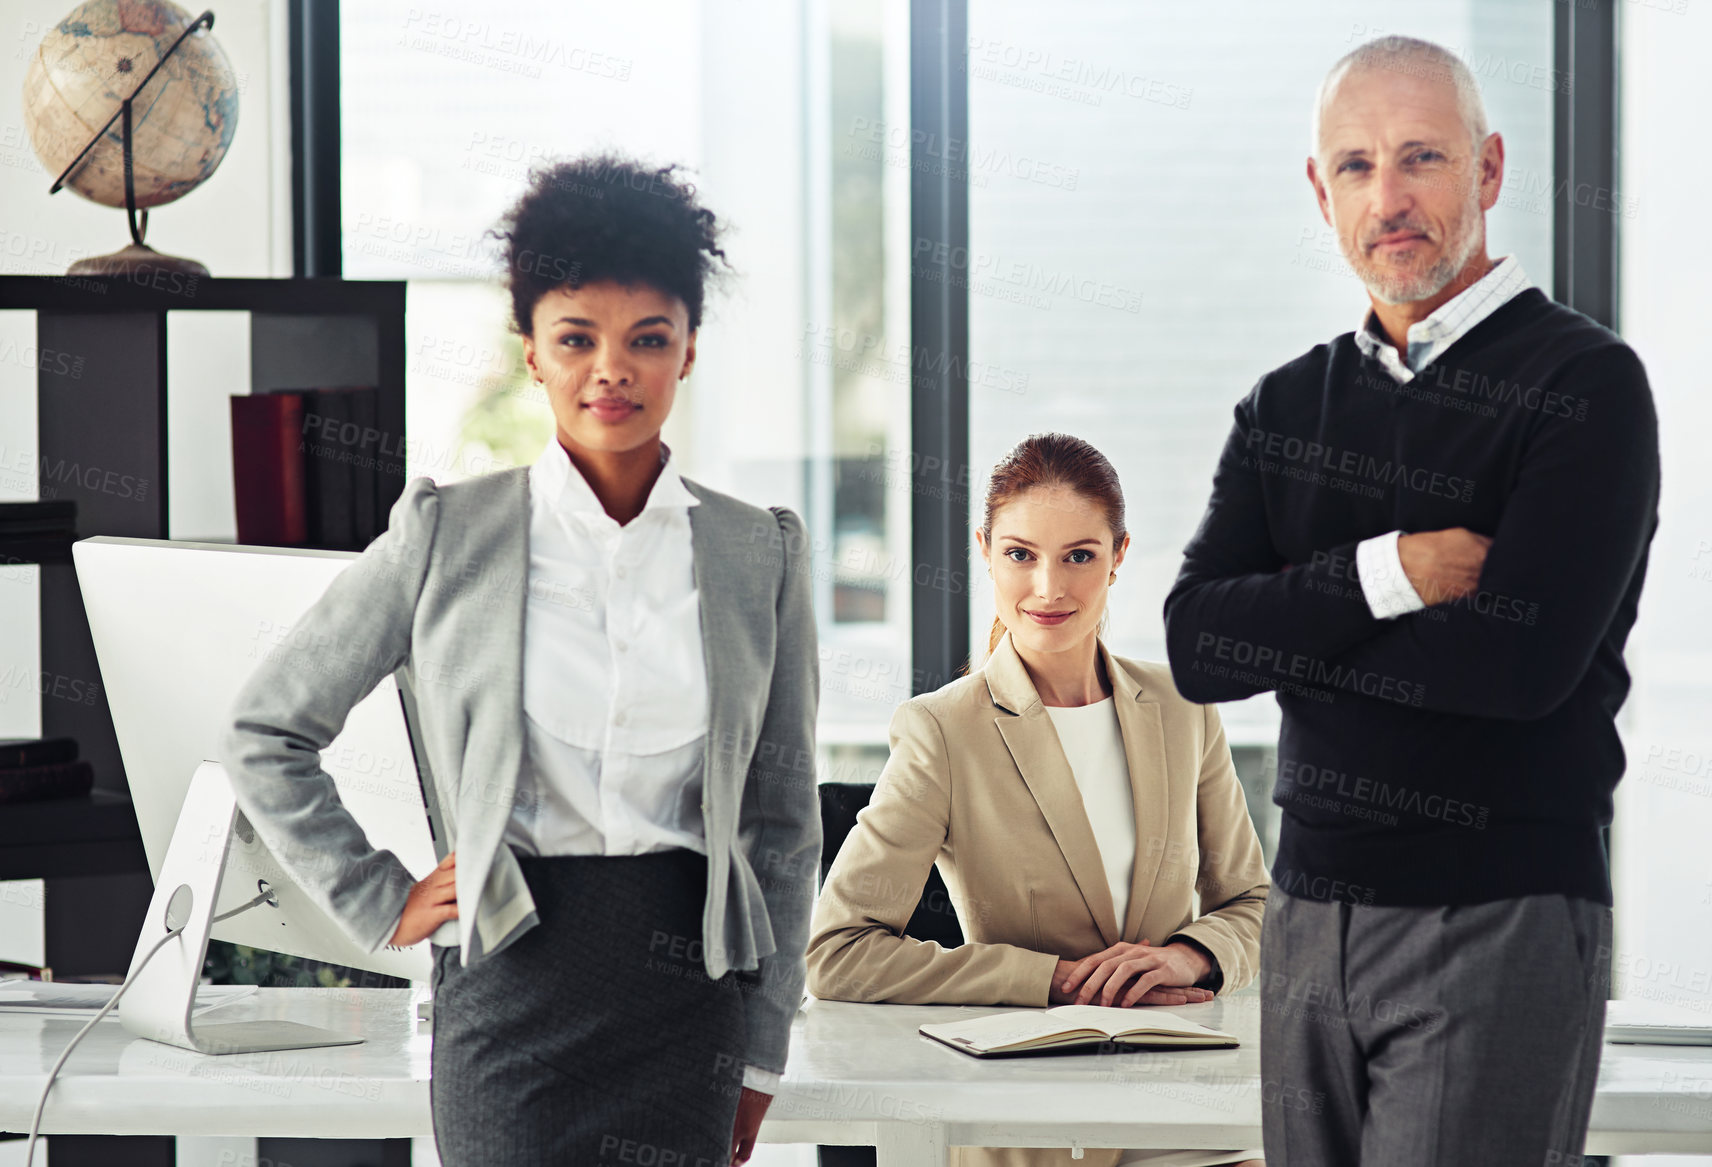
934,917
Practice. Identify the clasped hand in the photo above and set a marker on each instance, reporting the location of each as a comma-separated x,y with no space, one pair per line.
1161,976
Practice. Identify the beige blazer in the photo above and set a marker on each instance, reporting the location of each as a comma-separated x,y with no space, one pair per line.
978,784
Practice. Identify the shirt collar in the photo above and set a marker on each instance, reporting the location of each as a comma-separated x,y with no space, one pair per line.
1454,318
555,480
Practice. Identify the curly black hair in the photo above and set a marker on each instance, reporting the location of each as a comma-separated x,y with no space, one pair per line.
607,217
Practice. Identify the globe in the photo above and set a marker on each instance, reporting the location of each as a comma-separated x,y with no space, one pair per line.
181,123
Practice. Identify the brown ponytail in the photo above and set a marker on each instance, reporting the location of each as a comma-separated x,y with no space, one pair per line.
1052,460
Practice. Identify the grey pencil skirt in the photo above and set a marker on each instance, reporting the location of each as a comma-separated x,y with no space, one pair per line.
596,1037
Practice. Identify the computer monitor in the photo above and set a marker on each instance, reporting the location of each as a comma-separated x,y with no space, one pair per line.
178,627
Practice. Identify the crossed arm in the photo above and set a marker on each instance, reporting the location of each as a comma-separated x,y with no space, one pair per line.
1575,525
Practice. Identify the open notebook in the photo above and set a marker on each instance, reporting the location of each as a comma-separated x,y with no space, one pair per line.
1067,1027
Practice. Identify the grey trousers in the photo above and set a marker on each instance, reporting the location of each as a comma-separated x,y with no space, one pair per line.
1403,1036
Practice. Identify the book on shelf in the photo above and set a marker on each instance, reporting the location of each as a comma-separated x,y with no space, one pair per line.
365,466
1075,1027
341,440
37,783
38,769
327,472
17,752
267,469
308,472
38,518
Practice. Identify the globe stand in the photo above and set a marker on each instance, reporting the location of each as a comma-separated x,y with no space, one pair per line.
139,257
128,261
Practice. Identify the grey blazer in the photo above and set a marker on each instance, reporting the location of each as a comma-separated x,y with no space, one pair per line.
439,599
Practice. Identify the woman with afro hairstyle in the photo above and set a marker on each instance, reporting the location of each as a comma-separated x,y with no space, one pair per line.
614,676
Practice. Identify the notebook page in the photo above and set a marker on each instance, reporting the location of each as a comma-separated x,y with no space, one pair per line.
1109,1019
1006,1028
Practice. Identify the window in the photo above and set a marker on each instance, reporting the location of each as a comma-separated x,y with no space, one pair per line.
1144,243
1664,803
783,119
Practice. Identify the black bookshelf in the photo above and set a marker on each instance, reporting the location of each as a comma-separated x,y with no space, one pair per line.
101,361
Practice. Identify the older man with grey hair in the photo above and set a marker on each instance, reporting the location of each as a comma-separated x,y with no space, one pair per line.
1428,537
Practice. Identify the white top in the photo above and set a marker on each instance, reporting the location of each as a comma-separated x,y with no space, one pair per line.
1093,745
614,684
1377,564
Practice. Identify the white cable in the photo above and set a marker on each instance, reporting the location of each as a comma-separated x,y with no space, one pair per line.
36,1122
42,1105
255,903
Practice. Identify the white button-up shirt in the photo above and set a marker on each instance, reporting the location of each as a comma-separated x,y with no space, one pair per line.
614,683
1377,563
615,694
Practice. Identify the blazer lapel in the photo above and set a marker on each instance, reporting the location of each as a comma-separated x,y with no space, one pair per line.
728,636
1144,750
506,627
1033,743
488,874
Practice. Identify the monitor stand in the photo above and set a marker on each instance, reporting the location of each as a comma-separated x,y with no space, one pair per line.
159,1003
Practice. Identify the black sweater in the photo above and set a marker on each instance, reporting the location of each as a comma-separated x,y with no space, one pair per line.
1466,752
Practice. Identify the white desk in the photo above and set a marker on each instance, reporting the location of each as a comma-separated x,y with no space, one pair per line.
859,1074
116,1084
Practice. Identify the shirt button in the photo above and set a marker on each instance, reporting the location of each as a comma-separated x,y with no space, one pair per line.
618,719
619,572
620,645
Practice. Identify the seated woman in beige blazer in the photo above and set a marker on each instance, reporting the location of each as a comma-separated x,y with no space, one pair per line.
1074,802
